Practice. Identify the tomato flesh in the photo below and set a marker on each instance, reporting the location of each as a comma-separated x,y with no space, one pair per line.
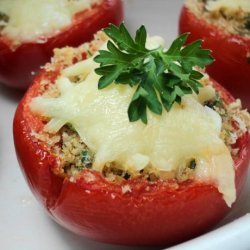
18,67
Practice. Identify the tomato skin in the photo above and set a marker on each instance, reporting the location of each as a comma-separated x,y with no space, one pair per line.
156,217
17,67
231,52
158,213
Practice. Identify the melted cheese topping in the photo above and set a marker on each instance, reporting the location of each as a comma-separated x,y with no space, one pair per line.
188,131
232,5
32,20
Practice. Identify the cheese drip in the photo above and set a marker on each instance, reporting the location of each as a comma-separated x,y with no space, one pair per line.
32,20
231,5
100,117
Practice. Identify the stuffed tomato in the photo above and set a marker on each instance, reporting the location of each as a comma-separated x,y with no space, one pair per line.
121,164
30,30
225,28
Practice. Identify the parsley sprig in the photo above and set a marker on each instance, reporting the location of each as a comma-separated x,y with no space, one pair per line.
161,76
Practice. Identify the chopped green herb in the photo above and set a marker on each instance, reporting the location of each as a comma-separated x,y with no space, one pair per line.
192,164
86,158
161,76
216,102
81,167
247,22
71,127
126,176
89,53
4,17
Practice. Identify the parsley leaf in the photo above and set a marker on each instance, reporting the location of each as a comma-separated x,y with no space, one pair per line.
161,76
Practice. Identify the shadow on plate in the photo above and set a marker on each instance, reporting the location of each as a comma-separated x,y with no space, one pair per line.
10,93
241,207
79,243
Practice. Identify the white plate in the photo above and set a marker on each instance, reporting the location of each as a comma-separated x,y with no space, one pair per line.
23,223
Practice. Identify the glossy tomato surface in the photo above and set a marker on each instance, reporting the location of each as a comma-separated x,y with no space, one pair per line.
19,65
148,213
231,52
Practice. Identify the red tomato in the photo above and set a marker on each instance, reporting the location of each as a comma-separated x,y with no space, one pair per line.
18,66
153,213
231,52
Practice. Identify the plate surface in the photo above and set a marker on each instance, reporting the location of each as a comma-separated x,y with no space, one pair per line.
23,223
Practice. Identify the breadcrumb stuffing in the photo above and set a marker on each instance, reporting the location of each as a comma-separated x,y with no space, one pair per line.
67,56
235,121
113,196
89,177
126,189
50,140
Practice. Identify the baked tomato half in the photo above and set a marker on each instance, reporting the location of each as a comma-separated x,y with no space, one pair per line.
227,33
103,200
22,56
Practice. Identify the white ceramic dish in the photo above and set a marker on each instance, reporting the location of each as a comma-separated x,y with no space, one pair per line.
23,223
